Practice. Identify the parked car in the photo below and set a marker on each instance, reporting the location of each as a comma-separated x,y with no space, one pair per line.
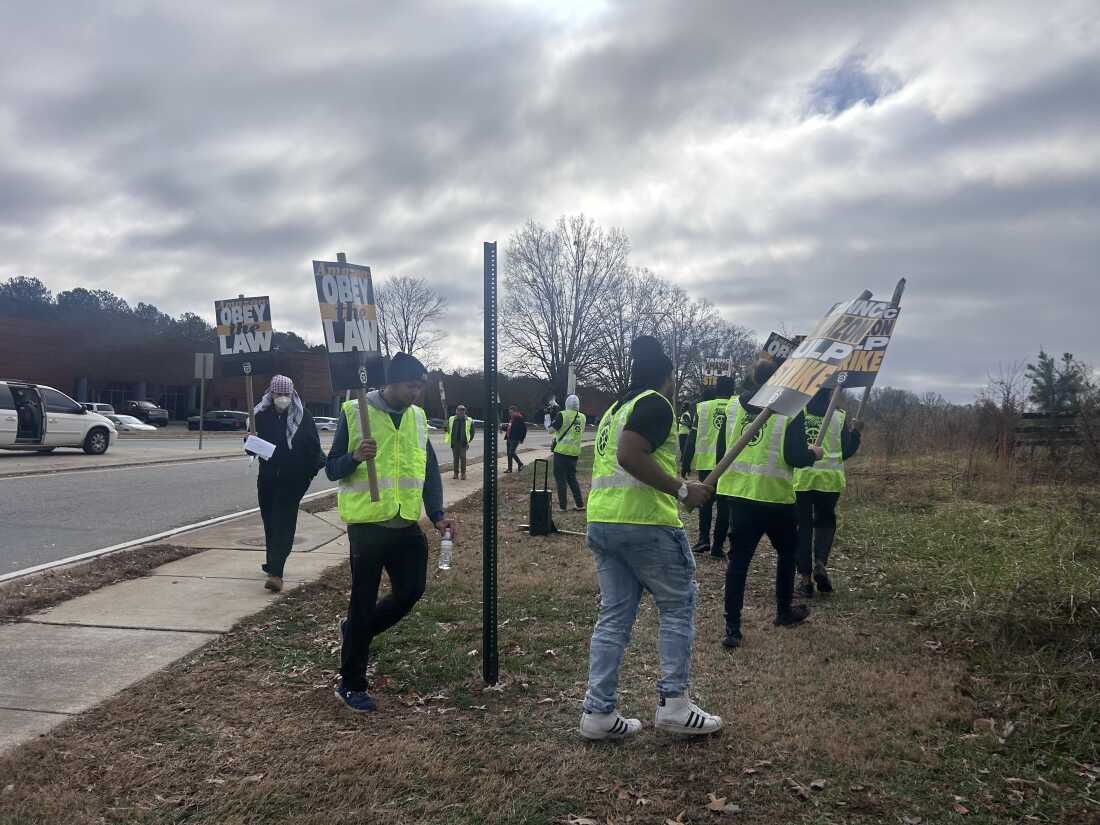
129,424
437,423
102,409
325,423
145,411
40,418
220,420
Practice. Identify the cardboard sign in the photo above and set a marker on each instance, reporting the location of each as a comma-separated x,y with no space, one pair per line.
778,347
715,368
244,335
814,362
861,368
345,295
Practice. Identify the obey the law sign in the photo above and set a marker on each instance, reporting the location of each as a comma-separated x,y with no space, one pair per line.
345,295
244,335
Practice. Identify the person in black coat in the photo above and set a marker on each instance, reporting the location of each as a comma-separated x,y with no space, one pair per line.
516,435
284,478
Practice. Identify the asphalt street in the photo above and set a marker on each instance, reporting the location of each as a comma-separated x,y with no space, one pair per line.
44,518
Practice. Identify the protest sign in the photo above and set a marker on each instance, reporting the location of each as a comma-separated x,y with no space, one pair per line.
715,368
861,368
244,335
777,347
345,294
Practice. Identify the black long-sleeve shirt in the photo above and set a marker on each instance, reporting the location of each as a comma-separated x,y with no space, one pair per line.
342,464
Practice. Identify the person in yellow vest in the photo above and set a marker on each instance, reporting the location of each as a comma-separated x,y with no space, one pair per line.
759,489
459,434
683,430
639,544
817,490
704,450
384,535
567,427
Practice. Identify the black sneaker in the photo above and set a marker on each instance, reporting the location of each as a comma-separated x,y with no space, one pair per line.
805,590
823,583
718,554
701,547
357,700
732,639
793,615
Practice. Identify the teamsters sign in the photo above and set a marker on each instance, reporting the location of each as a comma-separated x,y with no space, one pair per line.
346,297
244,335
816,362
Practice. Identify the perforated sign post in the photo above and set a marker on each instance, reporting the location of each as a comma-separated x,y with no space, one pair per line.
490,662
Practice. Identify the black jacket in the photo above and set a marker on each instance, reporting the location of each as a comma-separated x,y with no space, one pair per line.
297,465
518,430
796,451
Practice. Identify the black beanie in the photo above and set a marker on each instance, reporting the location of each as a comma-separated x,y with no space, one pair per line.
649,365
404,367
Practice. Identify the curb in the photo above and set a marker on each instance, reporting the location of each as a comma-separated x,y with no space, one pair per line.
126,465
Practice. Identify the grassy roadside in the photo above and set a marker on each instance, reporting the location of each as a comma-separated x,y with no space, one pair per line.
884,695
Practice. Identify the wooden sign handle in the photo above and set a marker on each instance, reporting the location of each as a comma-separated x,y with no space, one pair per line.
828,415
731,454
364,428
251,404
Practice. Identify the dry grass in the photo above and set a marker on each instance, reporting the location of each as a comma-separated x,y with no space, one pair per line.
862,696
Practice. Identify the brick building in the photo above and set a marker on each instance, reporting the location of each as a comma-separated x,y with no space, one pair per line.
112,369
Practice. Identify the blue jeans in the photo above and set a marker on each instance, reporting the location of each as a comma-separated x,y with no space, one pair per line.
630,559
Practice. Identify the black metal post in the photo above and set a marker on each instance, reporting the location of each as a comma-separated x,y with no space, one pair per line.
490,663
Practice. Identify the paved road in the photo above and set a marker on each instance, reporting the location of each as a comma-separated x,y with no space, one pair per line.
48,517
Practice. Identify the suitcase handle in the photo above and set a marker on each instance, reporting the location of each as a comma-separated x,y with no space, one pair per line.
545,475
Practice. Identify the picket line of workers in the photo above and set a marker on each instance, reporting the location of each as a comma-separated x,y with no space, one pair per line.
634,532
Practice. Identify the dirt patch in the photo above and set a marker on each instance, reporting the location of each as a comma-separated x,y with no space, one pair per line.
37,592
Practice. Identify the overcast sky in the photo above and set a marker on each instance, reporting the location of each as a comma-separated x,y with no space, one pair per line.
772,157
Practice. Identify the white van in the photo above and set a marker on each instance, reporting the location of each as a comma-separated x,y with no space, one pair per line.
40,418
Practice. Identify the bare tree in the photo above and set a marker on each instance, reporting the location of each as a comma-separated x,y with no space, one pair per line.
408,312
554,281
631,309
689,330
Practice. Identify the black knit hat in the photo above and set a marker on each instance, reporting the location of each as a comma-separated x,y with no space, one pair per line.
649,364
404,367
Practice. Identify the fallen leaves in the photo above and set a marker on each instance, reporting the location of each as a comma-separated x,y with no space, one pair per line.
719,805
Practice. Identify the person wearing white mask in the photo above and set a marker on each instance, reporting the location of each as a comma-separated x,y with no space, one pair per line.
284,478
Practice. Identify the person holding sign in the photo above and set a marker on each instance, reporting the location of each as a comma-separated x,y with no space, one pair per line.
293,457
568,428
702,457
817,491
460,432
759,490
384,534
639,544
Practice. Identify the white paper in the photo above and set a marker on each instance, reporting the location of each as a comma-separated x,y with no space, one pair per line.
255,444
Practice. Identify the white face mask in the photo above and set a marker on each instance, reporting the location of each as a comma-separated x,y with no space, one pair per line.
281,402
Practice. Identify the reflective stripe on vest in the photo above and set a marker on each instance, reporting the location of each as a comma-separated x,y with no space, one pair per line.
619,498
760,472
401,465
827,475
450,429
711,417
568,438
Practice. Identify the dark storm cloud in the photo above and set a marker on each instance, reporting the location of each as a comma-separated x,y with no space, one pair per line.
772,158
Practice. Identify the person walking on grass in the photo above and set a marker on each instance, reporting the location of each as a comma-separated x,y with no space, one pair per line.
515,435
460,432
817,490
703,452
284,478
638,542
568,429
384,535
759,491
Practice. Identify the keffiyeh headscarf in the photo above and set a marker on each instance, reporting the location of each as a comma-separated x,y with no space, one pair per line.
281,385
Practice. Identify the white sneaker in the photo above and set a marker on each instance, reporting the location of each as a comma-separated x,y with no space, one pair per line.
608,726
677,714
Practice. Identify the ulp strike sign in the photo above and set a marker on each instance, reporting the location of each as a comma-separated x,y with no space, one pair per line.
345,295
244,335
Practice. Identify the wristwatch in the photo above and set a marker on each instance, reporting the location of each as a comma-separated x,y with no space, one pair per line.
682,493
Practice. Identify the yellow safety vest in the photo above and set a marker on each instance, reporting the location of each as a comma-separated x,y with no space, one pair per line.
685,424
826,475
760,472
710,421
450,428
401,465
619,498
567,440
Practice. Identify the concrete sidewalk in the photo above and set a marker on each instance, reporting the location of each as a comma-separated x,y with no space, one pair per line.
71,657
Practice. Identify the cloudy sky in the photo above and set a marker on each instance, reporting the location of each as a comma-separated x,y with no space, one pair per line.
773,157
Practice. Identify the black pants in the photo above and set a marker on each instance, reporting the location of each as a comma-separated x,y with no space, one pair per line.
565,472
706,514
816,528
403,554
279,500
512,447
749,522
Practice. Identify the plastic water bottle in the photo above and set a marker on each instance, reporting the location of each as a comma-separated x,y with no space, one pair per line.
446,547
